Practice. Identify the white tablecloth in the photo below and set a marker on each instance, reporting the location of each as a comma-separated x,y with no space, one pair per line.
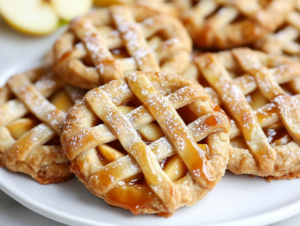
11,212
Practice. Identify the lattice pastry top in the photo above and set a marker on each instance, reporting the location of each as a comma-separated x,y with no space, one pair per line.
109,41
223,24
30,124
144,158
163,6
286,39
258,92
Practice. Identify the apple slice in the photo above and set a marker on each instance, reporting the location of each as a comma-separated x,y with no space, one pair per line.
68,9
41,17
33,17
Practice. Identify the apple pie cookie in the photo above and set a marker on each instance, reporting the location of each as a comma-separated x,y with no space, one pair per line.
161,6
223,24
31,122
129,145
259,93
286,39
101,46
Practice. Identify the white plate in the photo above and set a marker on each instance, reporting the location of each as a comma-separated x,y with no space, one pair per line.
237,200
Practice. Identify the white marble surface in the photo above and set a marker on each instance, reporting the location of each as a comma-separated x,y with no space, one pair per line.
11,212
14,214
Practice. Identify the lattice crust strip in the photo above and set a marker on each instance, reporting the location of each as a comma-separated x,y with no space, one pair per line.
223,24
265,73
286,39
28,122
201,165
153,42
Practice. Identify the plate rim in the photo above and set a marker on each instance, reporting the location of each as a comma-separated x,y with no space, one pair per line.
66,218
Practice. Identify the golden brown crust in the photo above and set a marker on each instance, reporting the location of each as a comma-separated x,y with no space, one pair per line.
286,39
29,121
224,24
273,124
86,55
82,135
288,176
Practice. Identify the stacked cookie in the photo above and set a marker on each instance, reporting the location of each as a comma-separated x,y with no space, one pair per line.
145,122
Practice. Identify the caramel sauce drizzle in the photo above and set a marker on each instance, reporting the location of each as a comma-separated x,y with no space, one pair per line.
133,197
175,130
155,177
